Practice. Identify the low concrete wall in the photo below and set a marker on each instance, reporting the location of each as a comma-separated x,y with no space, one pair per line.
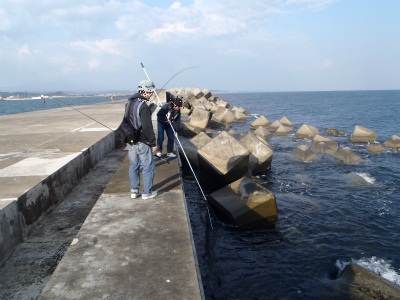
10,229
19,216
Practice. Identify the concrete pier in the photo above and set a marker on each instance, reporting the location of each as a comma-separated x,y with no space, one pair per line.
125,249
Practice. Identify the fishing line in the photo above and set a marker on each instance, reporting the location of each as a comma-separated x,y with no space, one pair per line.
174,75
180,145
155,92
92,118
30,150
109,128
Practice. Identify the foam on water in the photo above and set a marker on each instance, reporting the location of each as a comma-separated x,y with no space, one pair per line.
367,177
377,265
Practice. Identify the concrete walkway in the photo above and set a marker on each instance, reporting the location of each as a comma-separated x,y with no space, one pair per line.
125,249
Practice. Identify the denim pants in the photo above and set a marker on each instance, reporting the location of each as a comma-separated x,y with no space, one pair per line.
141,157
161,126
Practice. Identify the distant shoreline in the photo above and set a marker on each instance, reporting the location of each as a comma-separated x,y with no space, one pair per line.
57,97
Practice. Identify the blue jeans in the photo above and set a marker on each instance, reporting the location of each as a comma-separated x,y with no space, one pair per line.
141,157
161,127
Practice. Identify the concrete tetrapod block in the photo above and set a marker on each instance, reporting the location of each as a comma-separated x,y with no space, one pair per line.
362,135
286,122
393,142
235,134
263,132
360,283
240,110
306,132
214,108
199,105
207,104
200,118
283,130
239,116
374,148
185,111
274,126
245,202
197,93
260,121
347,156
223,116
222,103
213,98
260,154
323,144
188,130
206,93
193,145
223,160
304,154
335,132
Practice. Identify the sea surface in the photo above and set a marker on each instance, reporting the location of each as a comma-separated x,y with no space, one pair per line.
327,216
330,213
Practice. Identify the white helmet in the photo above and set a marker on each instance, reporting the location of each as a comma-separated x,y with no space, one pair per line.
146,86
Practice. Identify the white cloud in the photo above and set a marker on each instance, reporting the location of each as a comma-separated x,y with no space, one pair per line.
166,29
216,24
312,4
24,51
101,47
4,20
70,39
176,5
64,63
94,64
326,63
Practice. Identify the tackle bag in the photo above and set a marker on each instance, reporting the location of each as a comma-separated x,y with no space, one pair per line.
129,132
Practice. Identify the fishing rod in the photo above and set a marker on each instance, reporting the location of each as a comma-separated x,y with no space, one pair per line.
106,125
155,92
180,145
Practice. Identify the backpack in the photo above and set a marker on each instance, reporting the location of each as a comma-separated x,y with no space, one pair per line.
129,132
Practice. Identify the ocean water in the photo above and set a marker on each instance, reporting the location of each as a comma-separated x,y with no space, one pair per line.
328,217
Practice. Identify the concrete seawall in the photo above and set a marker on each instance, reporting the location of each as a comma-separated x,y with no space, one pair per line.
131,249
43,156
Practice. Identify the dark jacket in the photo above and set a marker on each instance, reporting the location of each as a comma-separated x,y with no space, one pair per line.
147,135
166,113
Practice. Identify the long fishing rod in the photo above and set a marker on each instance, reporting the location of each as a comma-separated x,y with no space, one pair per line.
149,79
164,160
173,75
155,92
157,97
183,151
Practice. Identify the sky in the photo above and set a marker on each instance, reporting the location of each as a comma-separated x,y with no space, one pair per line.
231,45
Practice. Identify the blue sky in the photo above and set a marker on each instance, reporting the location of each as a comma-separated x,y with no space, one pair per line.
267,45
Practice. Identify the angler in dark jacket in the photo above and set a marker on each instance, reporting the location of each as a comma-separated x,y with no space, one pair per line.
168,115
141,152
142,120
